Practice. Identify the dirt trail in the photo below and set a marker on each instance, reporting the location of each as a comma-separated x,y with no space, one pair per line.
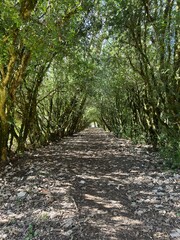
88,187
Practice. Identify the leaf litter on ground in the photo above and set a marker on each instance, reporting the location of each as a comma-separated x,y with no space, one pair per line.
90,186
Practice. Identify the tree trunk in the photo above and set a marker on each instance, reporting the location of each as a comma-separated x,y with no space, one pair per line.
12,73
3,125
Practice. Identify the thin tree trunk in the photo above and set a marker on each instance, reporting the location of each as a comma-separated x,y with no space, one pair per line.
3,126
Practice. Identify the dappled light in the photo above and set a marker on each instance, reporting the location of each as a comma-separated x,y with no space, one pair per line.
89,186
89,120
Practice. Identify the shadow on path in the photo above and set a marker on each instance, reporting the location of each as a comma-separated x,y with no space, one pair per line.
88,187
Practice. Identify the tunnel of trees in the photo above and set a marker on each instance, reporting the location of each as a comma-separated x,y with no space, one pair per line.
65,64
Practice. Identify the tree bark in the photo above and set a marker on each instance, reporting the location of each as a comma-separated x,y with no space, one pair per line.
3,125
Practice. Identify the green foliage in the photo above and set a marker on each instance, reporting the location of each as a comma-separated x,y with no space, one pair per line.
138,78
31,233
171,152
64,64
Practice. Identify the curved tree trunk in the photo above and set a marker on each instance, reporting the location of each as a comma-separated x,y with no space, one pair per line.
11,74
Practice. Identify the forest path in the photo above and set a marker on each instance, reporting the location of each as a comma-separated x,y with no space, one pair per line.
88,187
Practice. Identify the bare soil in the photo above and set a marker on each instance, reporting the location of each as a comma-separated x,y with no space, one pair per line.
91,186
